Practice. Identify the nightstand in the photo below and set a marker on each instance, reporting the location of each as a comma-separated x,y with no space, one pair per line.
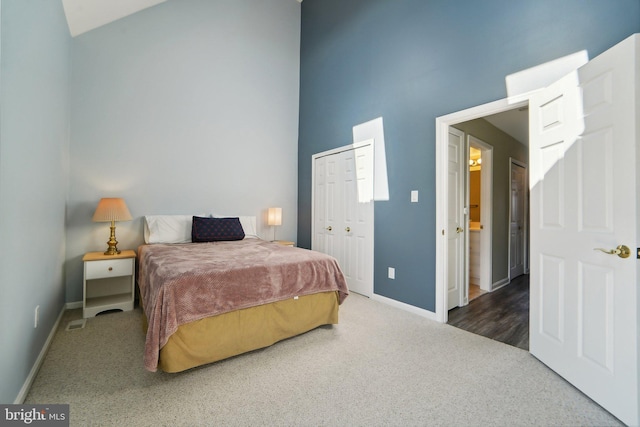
109,282
284,243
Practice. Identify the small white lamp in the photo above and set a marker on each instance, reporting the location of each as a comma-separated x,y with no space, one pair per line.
274,218
112,210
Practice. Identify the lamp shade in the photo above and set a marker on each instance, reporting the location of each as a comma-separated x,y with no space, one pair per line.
112,209
274,216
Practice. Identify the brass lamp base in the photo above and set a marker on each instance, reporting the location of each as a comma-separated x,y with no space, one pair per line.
112,251
113,243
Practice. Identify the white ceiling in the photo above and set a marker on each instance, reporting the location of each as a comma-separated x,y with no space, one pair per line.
513,122
85,15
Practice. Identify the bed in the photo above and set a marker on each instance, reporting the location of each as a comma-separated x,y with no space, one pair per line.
207,301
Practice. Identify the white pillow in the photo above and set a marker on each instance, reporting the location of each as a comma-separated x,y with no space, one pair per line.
168,228
248,224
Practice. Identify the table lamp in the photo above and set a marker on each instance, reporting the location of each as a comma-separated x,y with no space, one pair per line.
274,217
112,210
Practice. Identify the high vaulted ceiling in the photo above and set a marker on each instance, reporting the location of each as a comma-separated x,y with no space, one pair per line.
85,15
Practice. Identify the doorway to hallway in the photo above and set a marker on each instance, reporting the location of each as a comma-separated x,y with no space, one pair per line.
499,247
492,312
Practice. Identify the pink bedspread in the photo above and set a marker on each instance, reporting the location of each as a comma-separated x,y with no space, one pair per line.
181,283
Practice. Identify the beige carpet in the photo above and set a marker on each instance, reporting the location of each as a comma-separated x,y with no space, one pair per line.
379,366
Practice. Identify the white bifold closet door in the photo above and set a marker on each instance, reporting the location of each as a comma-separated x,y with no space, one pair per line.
343,213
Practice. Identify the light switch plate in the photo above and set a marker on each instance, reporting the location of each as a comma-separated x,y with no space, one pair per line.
414,196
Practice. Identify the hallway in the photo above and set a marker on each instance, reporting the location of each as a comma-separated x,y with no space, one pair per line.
502,315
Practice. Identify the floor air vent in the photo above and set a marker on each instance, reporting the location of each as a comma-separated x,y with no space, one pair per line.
76,324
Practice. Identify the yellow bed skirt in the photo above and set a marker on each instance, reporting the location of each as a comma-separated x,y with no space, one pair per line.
229,334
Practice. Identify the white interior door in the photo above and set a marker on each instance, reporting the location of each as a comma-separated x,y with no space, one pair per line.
583,160
319,237
517,217
326,208
357,220
343,213
456,226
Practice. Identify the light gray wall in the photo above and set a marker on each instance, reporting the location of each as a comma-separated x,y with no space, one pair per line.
188,107
34,119
504,148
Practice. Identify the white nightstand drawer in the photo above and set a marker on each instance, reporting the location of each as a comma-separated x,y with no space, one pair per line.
108,268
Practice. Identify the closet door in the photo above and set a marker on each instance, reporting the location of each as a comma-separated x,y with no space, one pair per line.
343,213
319,237
327,208
357,219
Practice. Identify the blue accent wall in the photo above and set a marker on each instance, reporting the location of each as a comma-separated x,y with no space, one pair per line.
411,61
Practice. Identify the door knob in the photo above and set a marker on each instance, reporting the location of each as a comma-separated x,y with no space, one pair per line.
348,229
459,230
329,228
622,251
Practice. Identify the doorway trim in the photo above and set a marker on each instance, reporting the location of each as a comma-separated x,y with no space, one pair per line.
442,134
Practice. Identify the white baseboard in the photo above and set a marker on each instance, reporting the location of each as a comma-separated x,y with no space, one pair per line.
406,307
500,283
36,366
72,305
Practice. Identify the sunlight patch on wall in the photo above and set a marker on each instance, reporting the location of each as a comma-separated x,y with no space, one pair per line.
523,83
374,130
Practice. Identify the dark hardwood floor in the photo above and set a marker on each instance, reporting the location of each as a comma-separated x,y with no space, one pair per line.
502,315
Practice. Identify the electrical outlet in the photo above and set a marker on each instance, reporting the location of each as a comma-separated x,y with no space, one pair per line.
414,196
35,316
392,273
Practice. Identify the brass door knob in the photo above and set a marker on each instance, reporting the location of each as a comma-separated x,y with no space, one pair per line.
459,230
348,229
329,228
622,251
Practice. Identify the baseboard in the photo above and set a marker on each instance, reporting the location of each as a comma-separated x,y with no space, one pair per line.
72,305
500,283
406,307
36,366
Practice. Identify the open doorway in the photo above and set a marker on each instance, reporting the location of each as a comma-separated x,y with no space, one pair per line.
494,214
474,123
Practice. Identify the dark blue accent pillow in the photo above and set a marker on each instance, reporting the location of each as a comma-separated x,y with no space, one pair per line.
216,229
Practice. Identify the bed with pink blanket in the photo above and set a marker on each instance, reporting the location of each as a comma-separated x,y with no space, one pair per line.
204,302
